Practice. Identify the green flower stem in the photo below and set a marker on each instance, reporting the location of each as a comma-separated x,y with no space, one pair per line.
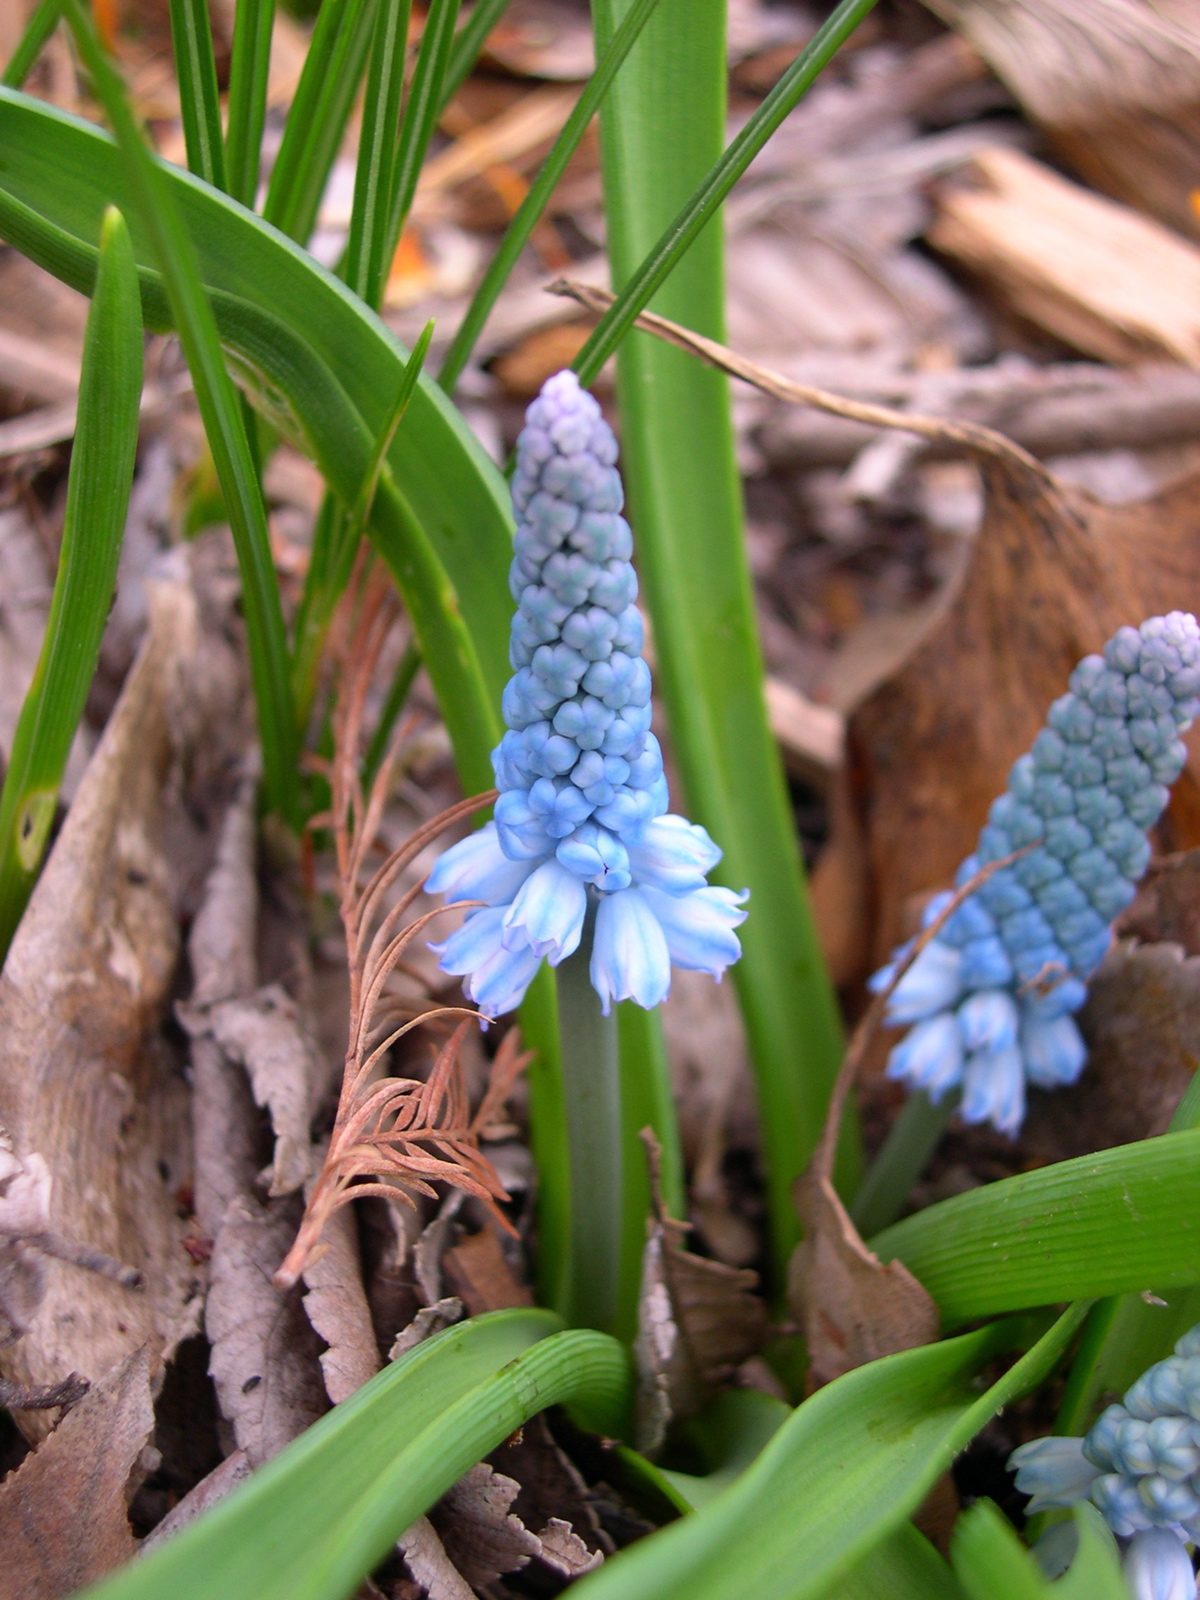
591,1076
248,70
902,1157
33,41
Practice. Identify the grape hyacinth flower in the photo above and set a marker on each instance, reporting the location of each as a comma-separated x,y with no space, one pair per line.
581,825
991,997
1140,1466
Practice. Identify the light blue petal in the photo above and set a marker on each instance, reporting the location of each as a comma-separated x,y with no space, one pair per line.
1054,1050
499,985
629,952
699,926
930,1056
994,1089
932,983
476,868
1157,1567
989,1020
547,914
672,854
1054,1471
468,947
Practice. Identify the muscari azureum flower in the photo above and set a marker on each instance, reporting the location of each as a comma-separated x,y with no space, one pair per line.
991,996
1140,1465
581,821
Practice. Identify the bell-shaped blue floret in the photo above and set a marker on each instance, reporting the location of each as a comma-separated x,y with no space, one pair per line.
1054,1471
1157,1567
698,926
932,983
1053,1049
477,869
547,913
930,1056
994,1089
630,960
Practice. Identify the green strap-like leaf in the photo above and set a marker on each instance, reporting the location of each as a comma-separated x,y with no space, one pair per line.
374,180
42,24
248,71
94,521
841,1476
312,1522
421,111
196,70
662,128
1119,1221
991,1563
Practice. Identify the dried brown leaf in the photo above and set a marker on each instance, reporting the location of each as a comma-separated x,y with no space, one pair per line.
85,1083
851,1308
428,1321
478,1532
552,1491
697,1320
63,1517
475,1270
429,1564
1142,1026
264,1358
234,1470
337,1308
1166,908
263,1034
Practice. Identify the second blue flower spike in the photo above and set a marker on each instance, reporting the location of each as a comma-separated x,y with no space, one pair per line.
992,996
581,824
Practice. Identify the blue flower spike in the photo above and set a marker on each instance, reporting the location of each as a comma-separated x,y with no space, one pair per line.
1140,1466
992,996
581,825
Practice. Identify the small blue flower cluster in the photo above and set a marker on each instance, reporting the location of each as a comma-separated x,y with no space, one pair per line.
1139,1465
580,821
992,994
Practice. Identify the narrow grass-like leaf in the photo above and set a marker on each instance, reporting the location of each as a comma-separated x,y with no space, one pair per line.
97,499
662,128
421,111
661,260
1112,1223
318,116
468,44
196,70
33,41
839,1477
374,185
312,1522
534,203
221,414
248,71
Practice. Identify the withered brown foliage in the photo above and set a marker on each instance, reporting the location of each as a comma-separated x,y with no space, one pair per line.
393,1137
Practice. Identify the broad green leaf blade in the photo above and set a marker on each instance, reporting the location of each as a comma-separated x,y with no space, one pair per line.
905,1566
318,115
33,41
534,203
702,205
332,369
1095,1573
312,1522
374,183
839,1478
1123,1337
248,70
662,128
1111,1223
196,70
94,521
154,204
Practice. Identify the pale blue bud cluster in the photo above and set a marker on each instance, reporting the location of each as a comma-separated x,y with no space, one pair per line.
580,821
1140,1466
992,995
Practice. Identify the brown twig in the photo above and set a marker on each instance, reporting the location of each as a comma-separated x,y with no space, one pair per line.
87,1257
392,1137
66,1392
872,1019
972,437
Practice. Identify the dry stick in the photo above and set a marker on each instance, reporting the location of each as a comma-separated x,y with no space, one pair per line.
85,1256
972,437
872,1018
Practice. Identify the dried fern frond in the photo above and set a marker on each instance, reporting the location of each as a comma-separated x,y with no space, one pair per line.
393,1137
